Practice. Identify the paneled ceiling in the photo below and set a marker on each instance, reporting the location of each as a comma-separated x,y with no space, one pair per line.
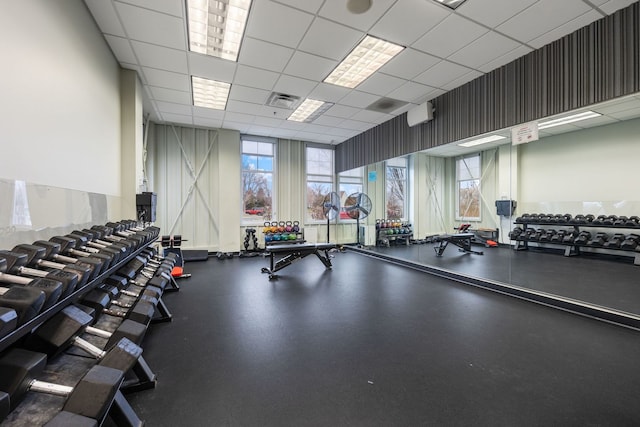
290,46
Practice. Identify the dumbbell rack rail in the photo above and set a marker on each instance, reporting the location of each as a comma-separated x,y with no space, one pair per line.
27,327
572,249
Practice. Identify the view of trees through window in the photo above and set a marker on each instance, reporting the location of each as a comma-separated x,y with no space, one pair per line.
320,173
349,182
396,181
257,179
468,188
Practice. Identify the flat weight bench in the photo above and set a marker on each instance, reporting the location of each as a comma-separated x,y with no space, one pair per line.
293,252
461,240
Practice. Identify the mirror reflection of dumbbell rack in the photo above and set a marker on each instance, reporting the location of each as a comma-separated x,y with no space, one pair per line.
575,238
280,232
388,230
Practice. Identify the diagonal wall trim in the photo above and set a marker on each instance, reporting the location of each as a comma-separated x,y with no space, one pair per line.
597,63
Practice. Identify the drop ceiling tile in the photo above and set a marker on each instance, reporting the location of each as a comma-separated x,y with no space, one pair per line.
371,116
471,75
264,55
170,107
493,12
268,121
341,111
172,7
261,130
568,28
328,121
160,57
274,113
626,114
170,95
105,15
407,21
309,66
121,49
239,126
527,25
276,23
381,84
311,6
355,125
330,40
450,35
616,107
429,96
315,127
441,74
167,79
207,123
410,91
613,5
254,77
237,117
329,93
294,126
208,113
248,94
359,99
409,63
211,67
484,49
337,11
344,133
596,121
152,27
505,59
177,118
243,107
294,86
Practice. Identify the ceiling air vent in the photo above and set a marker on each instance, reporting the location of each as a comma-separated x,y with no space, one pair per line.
282,100
386,105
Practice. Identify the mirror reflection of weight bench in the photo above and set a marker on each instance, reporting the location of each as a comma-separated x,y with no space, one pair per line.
461,240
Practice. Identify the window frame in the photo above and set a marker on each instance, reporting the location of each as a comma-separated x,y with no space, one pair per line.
358,180
329,178
270,216
405,202
458,181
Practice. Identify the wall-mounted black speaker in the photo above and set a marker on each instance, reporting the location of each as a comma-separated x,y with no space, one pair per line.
146,206
506,207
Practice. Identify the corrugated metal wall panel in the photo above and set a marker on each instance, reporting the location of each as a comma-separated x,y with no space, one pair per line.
594,64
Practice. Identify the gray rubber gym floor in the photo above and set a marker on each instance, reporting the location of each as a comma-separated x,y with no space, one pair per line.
374,344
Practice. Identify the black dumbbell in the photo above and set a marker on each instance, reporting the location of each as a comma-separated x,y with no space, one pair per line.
64,329
91,397
16,264
142,311
630,242
90,266
52,289
36,259
615,241
71,247
582,238
598,240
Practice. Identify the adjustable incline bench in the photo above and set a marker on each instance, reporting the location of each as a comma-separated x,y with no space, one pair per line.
462,240
293,252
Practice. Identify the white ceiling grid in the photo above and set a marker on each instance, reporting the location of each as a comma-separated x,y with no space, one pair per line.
290,46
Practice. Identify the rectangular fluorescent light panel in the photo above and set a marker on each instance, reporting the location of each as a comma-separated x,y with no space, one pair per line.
453,4
216,27
309,110
484,140
569,119
209,93
371,54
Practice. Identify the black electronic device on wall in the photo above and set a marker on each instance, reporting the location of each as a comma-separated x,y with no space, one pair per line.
506,207
146,206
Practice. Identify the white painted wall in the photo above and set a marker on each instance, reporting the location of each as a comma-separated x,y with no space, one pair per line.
60,108
587,171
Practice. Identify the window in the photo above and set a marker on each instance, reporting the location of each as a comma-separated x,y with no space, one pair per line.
349,182
320,173
396,188
257,179
468,188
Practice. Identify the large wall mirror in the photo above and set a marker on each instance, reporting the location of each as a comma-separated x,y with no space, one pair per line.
582,167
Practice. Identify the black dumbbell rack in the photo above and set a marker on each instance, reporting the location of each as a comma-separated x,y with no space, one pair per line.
573,228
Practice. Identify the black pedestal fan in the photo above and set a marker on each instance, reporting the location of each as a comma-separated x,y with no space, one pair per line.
357,206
